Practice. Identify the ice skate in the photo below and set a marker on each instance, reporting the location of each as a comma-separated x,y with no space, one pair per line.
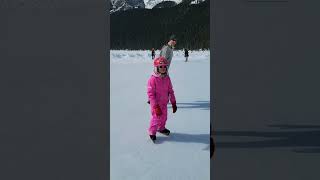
153,137
165,132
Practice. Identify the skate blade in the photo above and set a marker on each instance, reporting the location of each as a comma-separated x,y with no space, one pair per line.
166,134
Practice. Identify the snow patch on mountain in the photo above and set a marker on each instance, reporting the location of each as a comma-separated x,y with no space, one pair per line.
123,5
149,4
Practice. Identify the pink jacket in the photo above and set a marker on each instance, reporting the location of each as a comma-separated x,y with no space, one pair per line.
160,90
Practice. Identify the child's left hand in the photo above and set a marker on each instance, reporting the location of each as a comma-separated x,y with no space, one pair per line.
174,107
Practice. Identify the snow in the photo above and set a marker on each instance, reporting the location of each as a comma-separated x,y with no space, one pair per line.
125,5
196,1
182,155
149,4
144,56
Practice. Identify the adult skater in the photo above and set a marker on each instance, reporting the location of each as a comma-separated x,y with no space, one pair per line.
167,50
186,54
159,92
153,53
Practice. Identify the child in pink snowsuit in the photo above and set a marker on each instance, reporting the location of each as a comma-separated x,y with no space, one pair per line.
159,92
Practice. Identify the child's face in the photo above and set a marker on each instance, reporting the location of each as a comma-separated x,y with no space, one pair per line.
162,69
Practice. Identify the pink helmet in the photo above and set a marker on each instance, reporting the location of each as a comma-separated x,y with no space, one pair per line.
160,61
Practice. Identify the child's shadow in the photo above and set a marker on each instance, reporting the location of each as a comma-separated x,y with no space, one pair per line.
184,138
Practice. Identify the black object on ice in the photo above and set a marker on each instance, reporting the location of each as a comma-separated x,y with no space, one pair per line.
212,147
212,143
165,132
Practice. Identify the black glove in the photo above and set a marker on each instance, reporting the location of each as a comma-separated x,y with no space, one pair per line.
174,107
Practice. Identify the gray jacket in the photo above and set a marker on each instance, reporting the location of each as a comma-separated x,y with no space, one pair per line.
167,52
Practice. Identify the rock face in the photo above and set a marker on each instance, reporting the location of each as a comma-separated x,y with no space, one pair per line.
165,4
122,5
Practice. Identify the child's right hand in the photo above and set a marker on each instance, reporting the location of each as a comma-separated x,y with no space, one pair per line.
157,110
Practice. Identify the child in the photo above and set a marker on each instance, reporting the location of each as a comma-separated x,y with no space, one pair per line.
159,92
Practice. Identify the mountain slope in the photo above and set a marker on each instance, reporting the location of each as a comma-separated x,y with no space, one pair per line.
149,4
165,4
145,28
123,5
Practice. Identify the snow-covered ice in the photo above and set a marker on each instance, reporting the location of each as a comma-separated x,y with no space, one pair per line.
185,154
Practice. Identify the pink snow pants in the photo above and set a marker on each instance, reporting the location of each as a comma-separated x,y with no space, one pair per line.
158,123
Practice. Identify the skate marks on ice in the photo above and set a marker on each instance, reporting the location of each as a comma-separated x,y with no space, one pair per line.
203,105
299,138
